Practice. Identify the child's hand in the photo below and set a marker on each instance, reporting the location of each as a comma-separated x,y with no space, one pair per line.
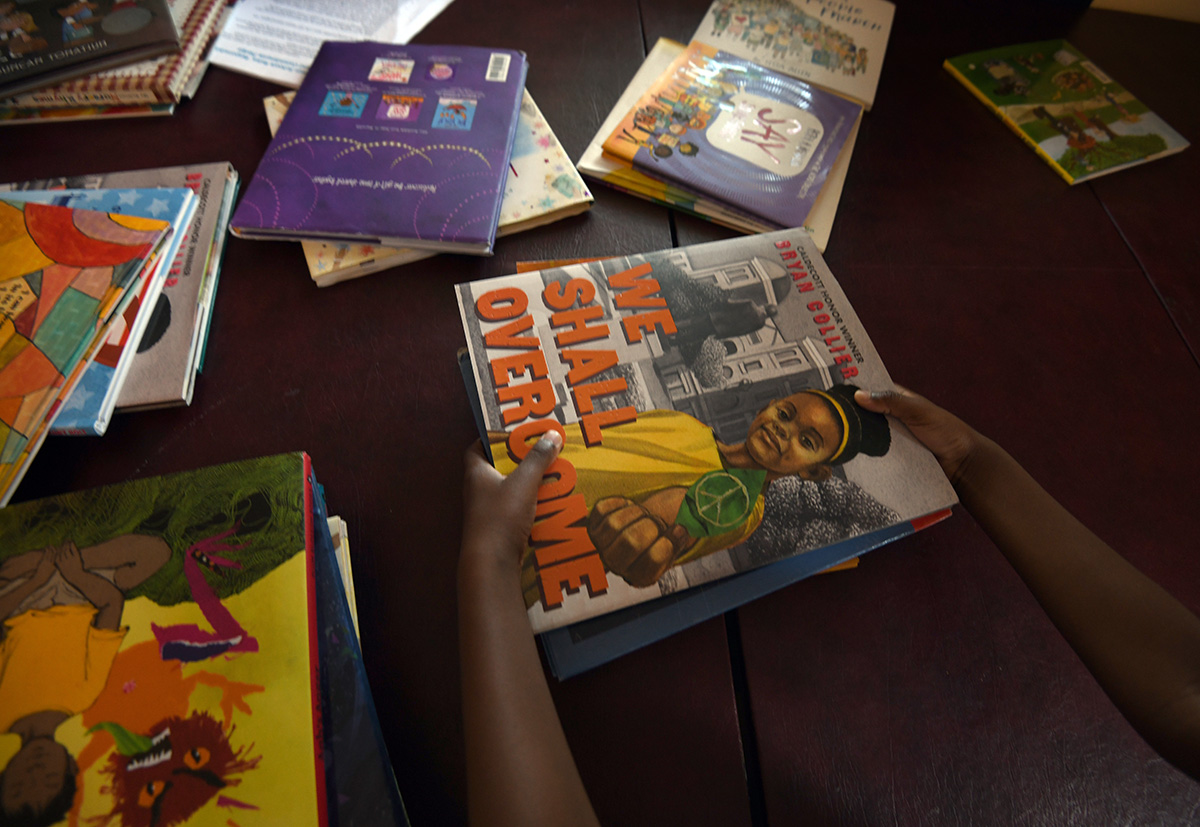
498,510
950,439
69,561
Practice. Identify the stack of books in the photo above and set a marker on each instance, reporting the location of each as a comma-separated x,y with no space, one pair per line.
147,354
126,82
753,124
387,154
200,668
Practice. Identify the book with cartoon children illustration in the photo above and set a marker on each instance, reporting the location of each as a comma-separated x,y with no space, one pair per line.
159,652
832,44
396,145
758,142
43,42
1066,108
705,398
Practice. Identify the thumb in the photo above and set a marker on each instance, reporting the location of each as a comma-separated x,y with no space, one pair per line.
528,475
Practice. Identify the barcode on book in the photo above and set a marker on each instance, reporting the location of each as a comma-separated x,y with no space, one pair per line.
498,67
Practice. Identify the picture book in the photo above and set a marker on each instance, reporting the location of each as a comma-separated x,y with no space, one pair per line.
163,372
705,397
747,137
65,274
361,784
403,146
832,44
153,82
89,407
160,649
44,43
1066,108
17,115
622,176
543,186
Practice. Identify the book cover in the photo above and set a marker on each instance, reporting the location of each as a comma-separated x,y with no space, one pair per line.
159,80
543,186
405,146
45,43
1066,108
160,645
89,407
17,115
705,396
758,141
64,275
829,43
164,370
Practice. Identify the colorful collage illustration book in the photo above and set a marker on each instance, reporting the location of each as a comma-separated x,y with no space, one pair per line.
708,389
65,275
160,650
1066,108
163,373
404,146
832,44
757,141
87,411
543,186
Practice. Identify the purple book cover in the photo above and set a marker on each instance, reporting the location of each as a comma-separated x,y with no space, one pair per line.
742,134
392,144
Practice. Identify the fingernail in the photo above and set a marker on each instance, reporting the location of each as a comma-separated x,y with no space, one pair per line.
882,394
550,441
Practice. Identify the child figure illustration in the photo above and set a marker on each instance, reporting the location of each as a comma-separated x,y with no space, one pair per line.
61,609
685,494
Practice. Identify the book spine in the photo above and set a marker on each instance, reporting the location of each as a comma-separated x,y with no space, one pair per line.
995,110
57,98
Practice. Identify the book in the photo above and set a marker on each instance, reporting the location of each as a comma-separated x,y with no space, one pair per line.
277,41
147,83
164,370
163,635
89,407
403,146
45,43
1076,117
749,138
16,115
361,785
543,186
593,163
831,44
65,274
705,395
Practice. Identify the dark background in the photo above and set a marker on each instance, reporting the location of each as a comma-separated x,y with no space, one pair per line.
926,686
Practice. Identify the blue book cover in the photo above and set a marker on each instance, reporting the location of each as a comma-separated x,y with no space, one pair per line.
737,132
401,145
88,409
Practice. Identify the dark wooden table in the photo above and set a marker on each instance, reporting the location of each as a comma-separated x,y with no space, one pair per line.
924,687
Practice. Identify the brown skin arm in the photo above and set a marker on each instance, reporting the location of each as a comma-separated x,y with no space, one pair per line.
1141,645
638,541
41,572
135,557
519,766
107,598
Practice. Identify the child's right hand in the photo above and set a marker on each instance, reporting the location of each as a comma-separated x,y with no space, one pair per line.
951,440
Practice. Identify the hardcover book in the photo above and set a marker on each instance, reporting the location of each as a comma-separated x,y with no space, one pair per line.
160,649
404,146
1066,108
163,373
705,396
159,80
45,43
543,186
832,44
754,140
89,407
65,274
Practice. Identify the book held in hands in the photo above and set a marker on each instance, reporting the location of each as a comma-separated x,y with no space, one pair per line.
405,146
705,397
